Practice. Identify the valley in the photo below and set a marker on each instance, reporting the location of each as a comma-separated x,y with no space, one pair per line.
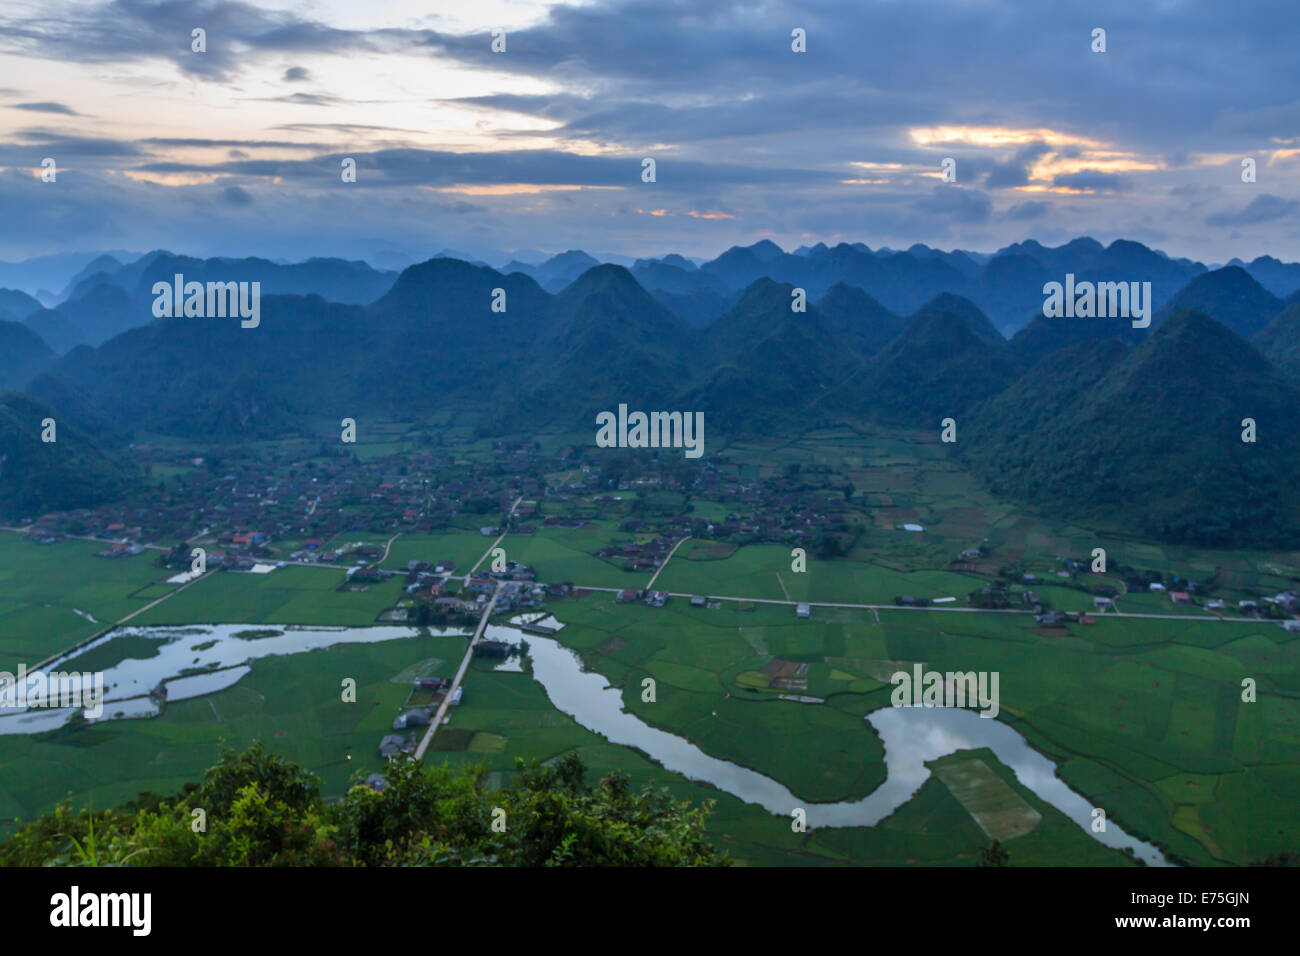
1133,694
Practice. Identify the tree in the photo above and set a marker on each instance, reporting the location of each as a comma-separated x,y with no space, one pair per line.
995,854
262,810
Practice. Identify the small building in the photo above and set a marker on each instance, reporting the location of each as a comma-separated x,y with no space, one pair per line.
1050,619
1292,626
1181,597
1156,586
657,598
803,610
376,781
391,745
699,600
412,718
1102,603
626,596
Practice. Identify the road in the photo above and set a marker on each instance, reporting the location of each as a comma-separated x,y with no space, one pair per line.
946,610
506,524
660,570
460,675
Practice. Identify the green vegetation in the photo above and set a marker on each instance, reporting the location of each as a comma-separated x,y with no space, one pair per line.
257,809
38,476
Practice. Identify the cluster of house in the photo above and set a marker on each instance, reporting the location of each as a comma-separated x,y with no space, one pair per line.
652,598
413,717
121,549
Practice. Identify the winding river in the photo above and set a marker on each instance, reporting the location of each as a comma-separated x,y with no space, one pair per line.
911,735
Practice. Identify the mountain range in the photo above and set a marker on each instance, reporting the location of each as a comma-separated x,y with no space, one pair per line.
1092,417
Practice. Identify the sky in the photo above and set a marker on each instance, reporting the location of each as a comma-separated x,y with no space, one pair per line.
238,150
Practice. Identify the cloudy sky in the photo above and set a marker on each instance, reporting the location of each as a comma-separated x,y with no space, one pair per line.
238,150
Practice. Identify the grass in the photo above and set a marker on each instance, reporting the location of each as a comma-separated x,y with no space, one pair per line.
43,586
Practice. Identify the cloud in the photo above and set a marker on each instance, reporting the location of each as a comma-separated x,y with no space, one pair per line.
956,203
1263,208
1033,209
46,108
296,74
1092,179
236,196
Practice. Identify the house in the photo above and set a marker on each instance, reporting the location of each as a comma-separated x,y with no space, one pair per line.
626,596
1156,586
657,598
803,610
1050,619
971,554
1181,597
412,718
1102,603
431,683
376,782
391,745
699,600
1292,626
1215,605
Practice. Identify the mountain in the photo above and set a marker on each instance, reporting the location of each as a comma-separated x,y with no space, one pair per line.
1148,441
336,280
99,312
1279,278
1127,261
106,265
606,341
1279,341
37,477
936,368
698,306
770,365
16,306
1011,287
22,355
560,270
54,328
856,318
964,309
1074,256
51,272
1043,335
1229,295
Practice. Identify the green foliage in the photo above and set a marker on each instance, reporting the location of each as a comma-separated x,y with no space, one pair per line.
261,810
36,477
1150,442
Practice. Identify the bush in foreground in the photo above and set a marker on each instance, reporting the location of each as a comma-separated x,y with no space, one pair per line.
257,809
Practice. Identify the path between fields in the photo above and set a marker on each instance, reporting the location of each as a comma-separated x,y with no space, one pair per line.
460,675
119,623
655,577
504,528
946,610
